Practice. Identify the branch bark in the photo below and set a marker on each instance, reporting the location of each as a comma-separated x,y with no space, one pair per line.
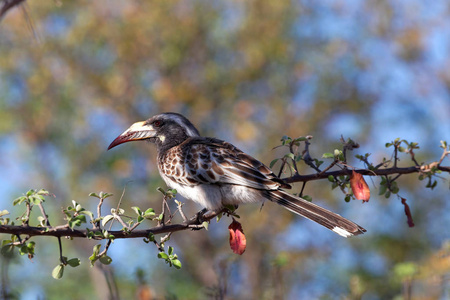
194,223
379,172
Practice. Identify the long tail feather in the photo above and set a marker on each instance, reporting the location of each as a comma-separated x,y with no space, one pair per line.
326,218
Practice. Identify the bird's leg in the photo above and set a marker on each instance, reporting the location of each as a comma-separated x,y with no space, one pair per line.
205,215
200,214
208,215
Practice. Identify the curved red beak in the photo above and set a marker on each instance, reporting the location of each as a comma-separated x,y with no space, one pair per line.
137,131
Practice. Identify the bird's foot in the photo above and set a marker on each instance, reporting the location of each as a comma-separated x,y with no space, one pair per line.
205,215
200,215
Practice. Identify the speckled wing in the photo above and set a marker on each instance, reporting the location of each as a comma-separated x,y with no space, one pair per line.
212,161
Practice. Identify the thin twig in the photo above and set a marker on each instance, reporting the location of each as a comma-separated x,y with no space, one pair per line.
27,214
61,259
303,188
291,149
118,218
444,154
330,166
183,216
44,215
307,157
283,163
108,243
395,155
117,210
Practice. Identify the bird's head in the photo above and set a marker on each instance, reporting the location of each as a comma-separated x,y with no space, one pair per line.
165,130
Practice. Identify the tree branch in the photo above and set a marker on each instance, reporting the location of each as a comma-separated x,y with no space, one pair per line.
380,172
61,231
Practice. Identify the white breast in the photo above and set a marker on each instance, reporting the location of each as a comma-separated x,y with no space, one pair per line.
213,197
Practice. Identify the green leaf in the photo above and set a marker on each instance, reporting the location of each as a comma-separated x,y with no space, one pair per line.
94,257
105,259
170,251
96,249
273,162
290,155
34,199
43,192
205,224
149,213
176,263
307,198
87,213
151,237
23,250
94,195
163,255
161,190
300,139
4,213
31,245
383,189
104,195
77,221
19,200
172,191
137,210
58,271
149,210
318,162
74,262
219,216
328,155
394,189
285,140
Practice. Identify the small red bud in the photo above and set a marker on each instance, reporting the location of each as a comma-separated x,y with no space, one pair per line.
359,187
237,237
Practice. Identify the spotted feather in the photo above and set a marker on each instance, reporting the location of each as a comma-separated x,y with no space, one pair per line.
213,161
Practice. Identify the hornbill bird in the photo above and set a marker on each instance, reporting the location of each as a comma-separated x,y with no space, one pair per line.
215,173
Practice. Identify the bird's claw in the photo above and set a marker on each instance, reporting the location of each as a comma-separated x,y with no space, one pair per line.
200,215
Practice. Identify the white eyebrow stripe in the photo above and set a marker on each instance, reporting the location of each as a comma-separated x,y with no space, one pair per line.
190,129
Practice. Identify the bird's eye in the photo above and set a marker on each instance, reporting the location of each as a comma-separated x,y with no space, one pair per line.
157,123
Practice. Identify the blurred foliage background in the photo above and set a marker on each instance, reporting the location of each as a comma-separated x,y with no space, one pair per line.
75,74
